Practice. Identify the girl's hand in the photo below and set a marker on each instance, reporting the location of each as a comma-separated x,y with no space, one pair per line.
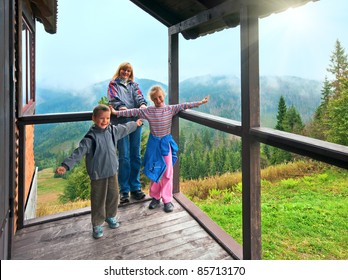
205,100
113,111
142,106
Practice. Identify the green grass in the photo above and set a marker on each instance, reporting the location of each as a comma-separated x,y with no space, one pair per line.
48,184
49,190
302,218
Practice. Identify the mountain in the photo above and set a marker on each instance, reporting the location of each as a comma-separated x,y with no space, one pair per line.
61,101
225,95
224,92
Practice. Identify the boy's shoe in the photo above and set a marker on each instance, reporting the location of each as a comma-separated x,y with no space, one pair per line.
124,198
138,195
154,203
112,222
168,207
97,232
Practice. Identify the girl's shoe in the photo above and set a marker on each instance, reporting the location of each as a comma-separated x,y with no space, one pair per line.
168,207
154,203
97,232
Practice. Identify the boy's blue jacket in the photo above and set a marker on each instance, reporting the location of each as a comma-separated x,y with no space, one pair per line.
156,148
99,147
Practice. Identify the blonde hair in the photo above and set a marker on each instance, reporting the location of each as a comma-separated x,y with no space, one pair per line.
155,89
124,66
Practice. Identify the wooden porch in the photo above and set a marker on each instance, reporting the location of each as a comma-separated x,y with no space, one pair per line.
143,234
186,233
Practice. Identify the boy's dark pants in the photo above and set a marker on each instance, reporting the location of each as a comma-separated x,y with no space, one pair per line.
104,199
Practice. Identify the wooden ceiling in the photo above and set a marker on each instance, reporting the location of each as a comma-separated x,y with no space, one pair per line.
45,11
211,15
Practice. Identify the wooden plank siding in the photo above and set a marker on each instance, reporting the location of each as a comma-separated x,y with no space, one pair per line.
6,129
143,234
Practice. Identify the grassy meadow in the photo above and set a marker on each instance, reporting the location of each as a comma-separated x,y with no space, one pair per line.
304,208
49,190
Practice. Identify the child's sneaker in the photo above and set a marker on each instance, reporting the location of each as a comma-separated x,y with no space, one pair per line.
97,232
154,203
112,222
168,207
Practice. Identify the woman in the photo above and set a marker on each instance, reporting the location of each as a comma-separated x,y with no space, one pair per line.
123,94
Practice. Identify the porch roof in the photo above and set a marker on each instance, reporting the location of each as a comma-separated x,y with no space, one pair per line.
221,14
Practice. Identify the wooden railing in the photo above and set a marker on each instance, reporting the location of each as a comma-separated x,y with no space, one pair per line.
330,153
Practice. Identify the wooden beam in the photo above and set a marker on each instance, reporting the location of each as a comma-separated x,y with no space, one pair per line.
219,123
251,172
331,153
55,118
156,11
220,236
220,11
173,97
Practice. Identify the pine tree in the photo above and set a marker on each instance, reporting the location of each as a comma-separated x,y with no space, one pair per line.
323,125
338,115
292,121
182,140
281,113
320,120
338,68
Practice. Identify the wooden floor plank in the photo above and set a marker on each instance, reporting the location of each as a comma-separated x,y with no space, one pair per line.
143,234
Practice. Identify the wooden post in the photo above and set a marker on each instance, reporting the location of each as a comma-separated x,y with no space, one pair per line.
173,96
250,147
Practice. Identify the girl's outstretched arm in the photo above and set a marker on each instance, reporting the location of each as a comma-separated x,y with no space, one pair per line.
113,111
204,100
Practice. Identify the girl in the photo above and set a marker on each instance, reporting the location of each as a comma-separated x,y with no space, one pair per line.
161,149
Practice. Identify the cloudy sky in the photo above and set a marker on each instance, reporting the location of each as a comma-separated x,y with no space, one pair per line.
94,36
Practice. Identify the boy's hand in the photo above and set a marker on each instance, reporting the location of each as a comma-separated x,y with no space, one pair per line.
60,170
139,122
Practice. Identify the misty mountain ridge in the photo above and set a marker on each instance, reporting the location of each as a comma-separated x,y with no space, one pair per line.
224,92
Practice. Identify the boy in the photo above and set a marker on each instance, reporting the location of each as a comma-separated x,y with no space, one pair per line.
99,146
